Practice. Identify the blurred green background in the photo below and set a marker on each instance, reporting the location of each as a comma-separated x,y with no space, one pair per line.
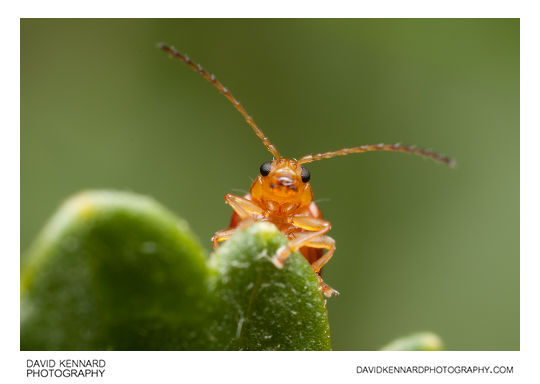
419,246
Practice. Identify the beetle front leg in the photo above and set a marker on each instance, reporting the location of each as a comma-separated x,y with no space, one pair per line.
245,208
247,211
315,239
316,227
222,235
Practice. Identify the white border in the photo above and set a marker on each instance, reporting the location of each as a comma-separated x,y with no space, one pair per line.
272,367
267,367
270,9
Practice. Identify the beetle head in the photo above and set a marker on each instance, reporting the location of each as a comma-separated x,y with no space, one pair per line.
283,181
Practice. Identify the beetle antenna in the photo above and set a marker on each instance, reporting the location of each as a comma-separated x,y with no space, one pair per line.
225,92
379,147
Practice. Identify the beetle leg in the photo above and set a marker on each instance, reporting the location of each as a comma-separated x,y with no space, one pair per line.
316,227
222,235
322,242
330,245
313,240
245,208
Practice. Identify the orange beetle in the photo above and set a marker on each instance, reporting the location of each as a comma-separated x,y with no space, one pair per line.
282,194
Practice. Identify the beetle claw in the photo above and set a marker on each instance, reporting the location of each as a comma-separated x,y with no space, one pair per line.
326,290
278,263
281,256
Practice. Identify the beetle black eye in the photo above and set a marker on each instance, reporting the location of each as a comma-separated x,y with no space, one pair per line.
305,175
265,168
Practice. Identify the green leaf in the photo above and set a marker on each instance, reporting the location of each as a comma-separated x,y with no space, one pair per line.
266,307
118,271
